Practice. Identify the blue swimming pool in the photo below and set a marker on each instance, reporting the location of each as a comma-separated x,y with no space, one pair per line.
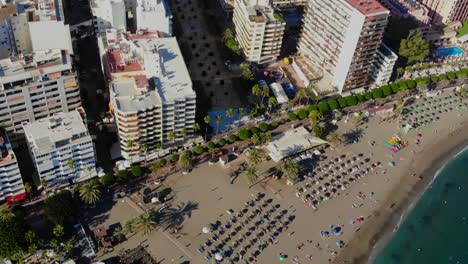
452,51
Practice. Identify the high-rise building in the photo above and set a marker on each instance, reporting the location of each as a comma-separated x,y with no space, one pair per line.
109,14
259,30
383,65
36,76
148,15
341,38
61,148
447,11
151,93
11,184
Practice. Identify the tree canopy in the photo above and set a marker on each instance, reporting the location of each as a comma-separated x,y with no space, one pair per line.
61,208
414,47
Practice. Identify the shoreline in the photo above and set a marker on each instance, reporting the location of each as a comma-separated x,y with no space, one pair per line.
372,238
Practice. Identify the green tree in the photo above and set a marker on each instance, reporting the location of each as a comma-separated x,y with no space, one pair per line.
61,208
246,71
256,90
255,156
196,127
240,111
334,138
314,117
207,120
400,71
107,179
12,238
251,174
290,169
118,234
6,214
144,149
357,119
414,48
255,139
318,130
218,119
58,231
144,224
28,188
272,102
183,132
171,136
301,96
44,183
244,134
122,176
230,113
90,193
136,171
233,45
186,160
228,34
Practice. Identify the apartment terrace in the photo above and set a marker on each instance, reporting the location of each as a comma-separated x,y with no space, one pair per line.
5,149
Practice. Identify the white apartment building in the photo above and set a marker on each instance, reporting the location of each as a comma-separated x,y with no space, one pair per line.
11,184
109,14
383,65
36,78
259,30
153,16
148,15
340,38
151,93
61,148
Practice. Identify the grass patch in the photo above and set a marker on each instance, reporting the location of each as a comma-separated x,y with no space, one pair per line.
463,30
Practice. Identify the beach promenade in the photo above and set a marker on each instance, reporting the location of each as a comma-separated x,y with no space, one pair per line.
361,210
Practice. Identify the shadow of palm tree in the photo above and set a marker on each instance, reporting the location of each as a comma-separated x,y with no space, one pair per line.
174,217
353,136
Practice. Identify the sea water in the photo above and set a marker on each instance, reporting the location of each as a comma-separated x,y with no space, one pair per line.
436,230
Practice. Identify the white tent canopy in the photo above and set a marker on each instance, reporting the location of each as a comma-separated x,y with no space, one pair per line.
292,142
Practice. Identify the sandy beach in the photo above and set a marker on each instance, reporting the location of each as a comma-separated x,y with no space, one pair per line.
379,198
374,235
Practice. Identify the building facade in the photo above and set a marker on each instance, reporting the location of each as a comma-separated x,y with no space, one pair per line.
151,94
259,30
36,75
11,184
446,11
341,38
61,148
383,65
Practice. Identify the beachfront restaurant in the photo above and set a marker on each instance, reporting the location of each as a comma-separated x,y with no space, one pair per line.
292,142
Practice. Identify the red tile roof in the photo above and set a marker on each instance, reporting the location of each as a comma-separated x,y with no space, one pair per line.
367,7
117,64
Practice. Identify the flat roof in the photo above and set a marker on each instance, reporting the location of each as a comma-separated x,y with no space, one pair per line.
61,127
368,7
291,142
280,95
57,37
156,73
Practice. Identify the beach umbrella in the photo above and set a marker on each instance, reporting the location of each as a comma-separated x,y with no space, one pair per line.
218,256
206,230
324,233
391,164
336,231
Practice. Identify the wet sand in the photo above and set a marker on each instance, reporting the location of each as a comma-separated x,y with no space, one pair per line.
374,235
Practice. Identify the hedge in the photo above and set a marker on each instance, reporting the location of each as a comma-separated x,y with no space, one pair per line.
292,117
360,98
108,179
232,138
377,93
175,158
387,90
264,127
211,145
452,75
303,113
342,102
312,108
244,134
368,95
351,100
333,104
323,107
395,87
122,176
254,130
199,150
434,78
221,142
162,162
136,171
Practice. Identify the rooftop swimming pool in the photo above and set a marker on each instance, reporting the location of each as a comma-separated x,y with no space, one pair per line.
448,52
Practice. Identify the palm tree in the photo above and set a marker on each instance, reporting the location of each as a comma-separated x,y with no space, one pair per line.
301,95
240,111
6,214
196,127
71,164
173,218
58,230
129,226
28,188
44,183
400,71
251,174
314,117
144,224
255,156
183,132
255,139
228,34
256,90
290,169
186,160
230,113
90,193
171,136
218,120
265,92
358,119
334,138
144,148
207,120
119,233
271,103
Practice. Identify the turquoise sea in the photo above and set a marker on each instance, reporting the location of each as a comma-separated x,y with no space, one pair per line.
436,230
